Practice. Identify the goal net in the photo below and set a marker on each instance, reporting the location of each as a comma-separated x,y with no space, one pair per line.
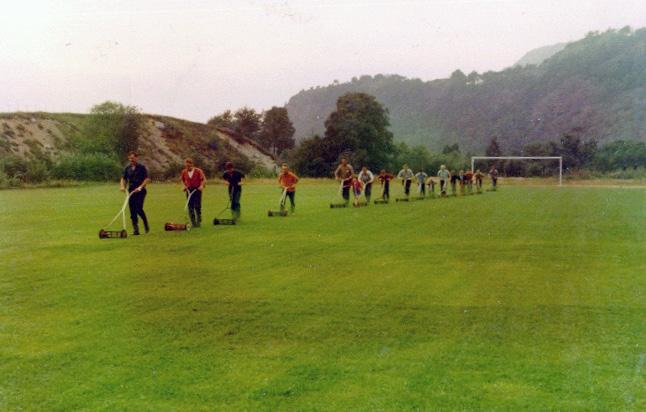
474,159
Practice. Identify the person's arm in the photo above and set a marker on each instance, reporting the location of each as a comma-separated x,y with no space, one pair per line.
183,182
242,179
372,177
122,184
337,173
202,181
144,183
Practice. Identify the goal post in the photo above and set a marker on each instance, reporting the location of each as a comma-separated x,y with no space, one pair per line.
559,158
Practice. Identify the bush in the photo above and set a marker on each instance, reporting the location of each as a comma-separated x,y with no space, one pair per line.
37,172
94,167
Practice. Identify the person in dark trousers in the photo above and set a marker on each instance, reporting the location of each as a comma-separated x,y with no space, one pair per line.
478,175
287,181
455,178
443,175
234,180
406,175
343,174
493,173
193,180
367,178
135,175
384,179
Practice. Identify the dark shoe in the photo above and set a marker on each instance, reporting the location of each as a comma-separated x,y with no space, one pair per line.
135,229
136,232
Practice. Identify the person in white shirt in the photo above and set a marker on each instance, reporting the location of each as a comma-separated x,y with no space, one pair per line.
406,175
421,181
444,175
367,178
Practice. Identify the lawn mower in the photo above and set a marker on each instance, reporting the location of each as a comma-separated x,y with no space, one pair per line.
220,221
282,212
116,234
171,227
339,205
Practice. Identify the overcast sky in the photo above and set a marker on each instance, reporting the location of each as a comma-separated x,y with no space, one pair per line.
193,59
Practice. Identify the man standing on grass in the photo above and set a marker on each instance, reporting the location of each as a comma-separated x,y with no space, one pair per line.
234,180
468,180
367,178
421,181
444,176
493,173
454,181
406,175
343,174
478,175
193,180
287,181
136,176
384,179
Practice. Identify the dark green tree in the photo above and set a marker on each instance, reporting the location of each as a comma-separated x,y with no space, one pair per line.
224,119
247,122
277,132
113,128
359,125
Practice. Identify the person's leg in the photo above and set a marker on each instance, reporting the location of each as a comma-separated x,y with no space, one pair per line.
235,202
195,208
407,187
133,205
368,192
386,191
291,196
346,194
141,212
422,188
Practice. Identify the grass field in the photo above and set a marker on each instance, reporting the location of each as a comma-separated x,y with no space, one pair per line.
527,298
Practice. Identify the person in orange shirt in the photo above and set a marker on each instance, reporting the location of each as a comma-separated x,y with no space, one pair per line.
287,181
193,180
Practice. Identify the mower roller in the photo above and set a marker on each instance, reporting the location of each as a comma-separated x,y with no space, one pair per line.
381,201
220,221
282,212
172,227
117,234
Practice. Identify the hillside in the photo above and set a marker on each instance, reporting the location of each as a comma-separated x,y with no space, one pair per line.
164,143
595,87
538,56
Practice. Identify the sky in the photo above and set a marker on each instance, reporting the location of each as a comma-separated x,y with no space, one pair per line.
193,59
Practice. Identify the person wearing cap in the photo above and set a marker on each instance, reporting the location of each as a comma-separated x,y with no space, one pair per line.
135,175
367,178
406,175
287,181
234,180
343,174
193,180
443,175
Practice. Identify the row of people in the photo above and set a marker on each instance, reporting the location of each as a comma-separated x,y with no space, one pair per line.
135,179
363,181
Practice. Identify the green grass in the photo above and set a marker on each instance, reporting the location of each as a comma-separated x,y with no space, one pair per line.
527,298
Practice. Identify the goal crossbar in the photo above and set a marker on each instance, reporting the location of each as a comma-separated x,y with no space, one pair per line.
559,158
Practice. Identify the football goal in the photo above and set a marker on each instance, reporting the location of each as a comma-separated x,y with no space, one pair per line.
559,158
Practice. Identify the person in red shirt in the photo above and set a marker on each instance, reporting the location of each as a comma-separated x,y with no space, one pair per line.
193,179
384,179
357,189
287,181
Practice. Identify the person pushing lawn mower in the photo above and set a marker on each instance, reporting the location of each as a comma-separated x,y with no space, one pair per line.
193,180
357,189
367,178
287,180
421,177
406,175
478,176
234,180
343,174
384,180
135,175
493,173
443,175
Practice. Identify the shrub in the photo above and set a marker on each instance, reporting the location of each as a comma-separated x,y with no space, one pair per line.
94,166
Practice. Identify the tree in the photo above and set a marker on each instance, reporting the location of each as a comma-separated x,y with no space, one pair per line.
277,131
247,122
224,119
113,128
359,125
